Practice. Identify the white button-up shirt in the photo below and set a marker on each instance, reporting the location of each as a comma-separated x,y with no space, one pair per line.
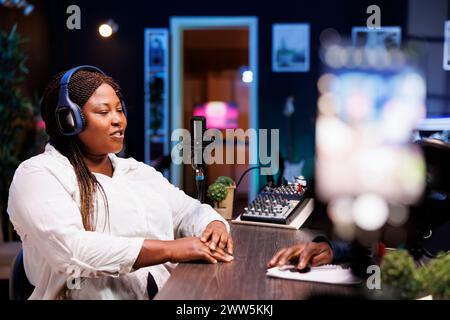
44,207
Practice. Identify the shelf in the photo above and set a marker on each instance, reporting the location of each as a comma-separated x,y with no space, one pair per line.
156,77
157,140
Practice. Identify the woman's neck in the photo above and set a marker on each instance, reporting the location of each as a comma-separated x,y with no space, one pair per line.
99,163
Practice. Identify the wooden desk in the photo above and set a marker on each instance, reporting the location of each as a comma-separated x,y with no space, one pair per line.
245,278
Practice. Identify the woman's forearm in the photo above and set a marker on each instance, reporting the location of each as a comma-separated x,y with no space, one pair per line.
152,252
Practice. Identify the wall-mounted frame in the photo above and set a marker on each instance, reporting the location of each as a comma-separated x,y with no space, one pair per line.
290,47
384,37
156,90
446,58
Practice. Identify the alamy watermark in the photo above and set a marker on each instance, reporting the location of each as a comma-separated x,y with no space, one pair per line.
374,20
73,281
74,278
74,20
213,153
373,282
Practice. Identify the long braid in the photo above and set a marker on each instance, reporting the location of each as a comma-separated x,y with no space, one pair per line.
81,87
86,182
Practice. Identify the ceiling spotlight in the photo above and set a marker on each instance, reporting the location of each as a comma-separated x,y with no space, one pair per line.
105,30
108,28
247,76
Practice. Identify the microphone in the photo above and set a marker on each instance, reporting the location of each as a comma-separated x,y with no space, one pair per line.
198,128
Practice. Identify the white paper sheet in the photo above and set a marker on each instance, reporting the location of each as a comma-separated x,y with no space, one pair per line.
326,274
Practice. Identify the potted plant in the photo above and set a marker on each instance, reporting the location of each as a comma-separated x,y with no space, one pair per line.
401,279
221,192
436,276
21,130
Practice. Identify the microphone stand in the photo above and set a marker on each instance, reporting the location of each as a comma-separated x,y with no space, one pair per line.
200,184
200,174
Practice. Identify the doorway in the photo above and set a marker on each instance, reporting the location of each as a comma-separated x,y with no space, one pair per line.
209,56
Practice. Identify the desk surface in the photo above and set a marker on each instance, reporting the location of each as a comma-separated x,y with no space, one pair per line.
245,278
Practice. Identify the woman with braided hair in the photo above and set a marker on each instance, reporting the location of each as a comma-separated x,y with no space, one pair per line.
96,226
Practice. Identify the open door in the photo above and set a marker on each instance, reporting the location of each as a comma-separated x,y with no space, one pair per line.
209,58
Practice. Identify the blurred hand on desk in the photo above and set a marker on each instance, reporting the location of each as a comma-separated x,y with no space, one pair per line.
304,254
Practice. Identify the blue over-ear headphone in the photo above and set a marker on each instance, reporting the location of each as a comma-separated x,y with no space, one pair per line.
69,116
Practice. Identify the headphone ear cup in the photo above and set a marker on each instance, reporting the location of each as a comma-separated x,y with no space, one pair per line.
65,120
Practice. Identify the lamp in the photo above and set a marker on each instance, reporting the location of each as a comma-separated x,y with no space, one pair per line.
108,28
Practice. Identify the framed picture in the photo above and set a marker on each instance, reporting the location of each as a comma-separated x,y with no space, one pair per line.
446,60
290,47
385,37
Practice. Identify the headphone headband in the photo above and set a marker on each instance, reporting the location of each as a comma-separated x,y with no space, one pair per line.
63,97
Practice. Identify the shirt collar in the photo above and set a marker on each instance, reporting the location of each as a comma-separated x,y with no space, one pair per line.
116,163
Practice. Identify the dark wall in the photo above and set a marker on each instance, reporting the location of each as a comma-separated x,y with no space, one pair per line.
122,55
34,29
